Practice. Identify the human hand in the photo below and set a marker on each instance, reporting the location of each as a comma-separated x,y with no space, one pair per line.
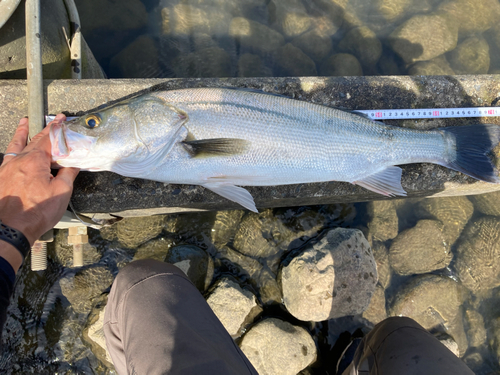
31,199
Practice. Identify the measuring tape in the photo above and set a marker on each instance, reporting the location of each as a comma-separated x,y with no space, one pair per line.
404,114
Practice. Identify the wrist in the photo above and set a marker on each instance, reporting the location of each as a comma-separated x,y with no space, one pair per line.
11,255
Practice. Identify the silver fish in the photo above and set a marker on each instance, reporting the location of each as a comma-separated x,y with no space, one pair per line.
223,139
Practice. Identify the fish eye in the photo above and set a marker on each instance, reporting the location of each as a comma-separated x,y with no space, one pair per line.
93,121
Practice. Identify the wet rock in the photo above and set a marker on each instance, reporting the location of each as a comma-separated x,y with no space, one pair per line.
85,285
138,60
194,262
274,346
209,62
362,43
314,44
420,249
254,36
488,204
472,56
134,231
424,37
334,278
476,331
453,212
63,253
341,64
289,17
154,249
451,345
472,16
291,61
235,307
185,19
435,303
226,222
437,66
381,255
249,238
478,254
376,311
250,65
392,10
383,221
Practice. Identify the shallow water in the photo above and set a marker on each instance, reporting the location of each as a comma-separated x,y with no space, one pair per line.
266,38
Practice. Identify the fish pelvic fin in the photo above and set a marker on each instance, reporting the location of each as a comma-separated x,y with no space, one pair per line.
471,150
386,182
215,147
233,193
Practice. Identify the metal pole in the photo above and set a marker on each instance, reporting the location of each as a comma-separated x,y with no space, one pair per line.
34,68
76,40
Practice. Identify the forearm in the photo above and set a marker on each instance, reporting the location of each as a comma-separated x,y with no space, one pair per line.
7,277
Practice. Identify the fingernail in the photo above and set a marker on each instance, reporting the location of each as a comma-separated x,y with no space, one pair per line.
23,121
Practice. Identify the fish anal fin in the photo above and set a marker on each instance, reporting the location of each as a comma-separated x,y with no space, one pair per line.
233,193
386,182
215,147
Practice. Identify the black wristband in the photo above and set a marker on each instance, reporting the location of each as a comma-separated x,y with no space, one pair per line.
15,238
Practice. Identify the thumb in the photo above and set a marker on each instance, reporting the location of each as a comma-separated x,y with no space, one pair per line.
65,178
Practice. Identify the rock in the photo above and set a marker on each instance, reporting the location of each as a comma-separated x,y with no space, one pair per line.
453,212
254,36
392,10
209,62
274,346
134,231
235,307
154,249
334,278
376,311
185,19
138,60
63,253
194,262
437,66
250,65
85,285
314,44
383,221
362,43
420,249
472,16
381,255
289,17
291,61
472,56
478,254
341,64
249,238
435,303
476,331
451,345
488,204
226,223
424,37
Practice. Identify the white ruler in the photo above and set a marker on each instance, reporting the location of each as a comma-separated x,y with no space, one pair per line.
403,114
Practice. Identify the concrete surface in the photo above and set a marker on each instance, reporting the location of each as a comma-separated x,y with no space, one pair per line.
111,193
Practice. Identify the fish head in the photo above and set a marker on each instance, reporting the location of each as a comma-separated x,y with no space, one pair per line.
126,132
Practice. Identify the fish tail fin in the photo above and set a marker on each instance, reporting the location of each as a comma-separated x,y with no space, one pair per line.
470,150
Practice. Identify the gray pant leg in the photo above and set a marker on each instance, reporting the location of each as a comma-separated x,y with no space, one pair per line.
399,345
156,322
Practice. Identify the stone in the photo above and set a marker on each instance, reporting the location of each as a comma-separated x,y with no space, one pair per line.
478,254
453,212
209,62
132,232
85,285
291,61
289,17
424,37
383,221
250,240
250,65
225,225
154,249
335,277
274,346
420,249
488,204
376,311
314,44
381,255
451,345
196,263
472,16
255,37
234,306
435,303
362,43
476,331
392,10
341,64
137,60
436,66
472,56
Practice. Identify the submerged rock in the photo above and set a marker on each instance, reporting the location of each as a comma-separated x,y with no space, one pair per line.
134,231
291,61
420,249
362,43
334,278
437,66
478,254
235,307
381,255
341,64
392,9
289,17
435,303
383,221
254,36
137,60
154,249
376,311
274,346
250,65
226,222
472,56
472,16
208,62
314,44
488,204
476,332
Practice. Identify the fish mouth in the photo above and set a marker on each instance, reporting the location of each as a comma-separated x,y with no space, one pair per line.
59,147
69,148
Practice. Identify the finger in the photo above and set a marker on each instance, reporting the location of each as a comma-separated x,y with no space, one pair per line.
18,142
64,179
58,119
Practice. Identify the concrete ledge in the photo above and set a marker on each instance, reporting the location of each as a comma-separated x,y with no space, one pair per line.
109,193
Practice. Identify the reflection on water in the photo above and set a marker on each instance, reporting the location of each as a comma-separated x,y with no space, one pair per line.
437,259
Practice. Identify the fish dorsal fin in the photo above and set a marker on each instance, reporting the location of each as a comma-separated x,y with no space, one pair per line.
215,147
386,182
233,193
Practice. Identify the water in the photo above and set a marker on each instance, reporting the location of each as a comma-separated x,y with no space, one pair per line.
218,38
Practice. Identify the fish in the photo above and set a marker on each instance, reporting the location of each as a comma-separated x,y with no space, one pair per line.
224,139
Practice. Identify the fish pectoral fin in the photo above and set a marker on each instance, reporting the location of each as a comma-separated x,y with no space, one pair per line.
233,193
386,182
215,147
